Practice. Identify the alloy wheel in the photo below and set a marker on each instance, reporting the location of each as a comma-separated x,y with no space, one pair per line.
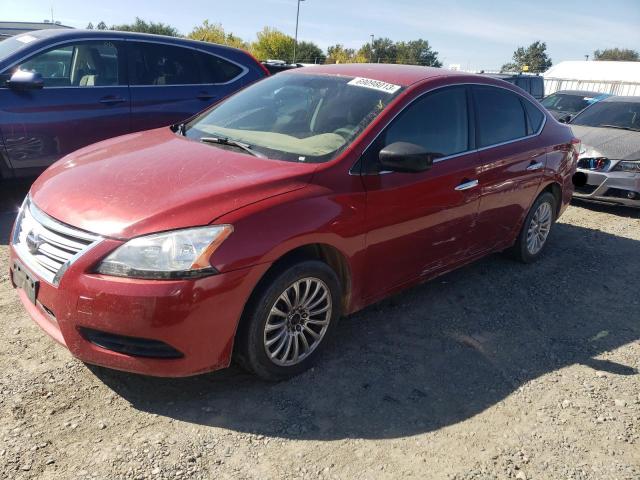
298,321
539,228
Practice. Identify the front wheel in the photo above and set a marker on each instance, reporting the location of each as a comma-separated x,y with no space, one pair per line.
289,320
536,229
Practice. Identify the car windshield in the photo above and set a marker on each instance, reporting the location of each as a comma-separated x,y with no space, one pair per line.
13,44
617,114
296,117
563,102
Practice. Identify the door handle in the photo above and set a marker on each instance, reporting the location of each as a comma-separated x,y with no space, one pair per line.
535,166
204,96
467,185
112,100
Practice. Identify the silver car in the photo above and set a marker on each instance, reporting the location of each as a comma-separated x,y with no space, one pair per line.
609,161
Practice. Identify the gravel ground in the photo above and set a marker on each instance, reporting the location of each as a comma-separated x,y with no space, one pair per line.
495,371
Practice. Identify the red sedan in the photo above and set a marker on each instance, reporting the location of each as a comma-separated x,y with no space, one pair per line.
250,230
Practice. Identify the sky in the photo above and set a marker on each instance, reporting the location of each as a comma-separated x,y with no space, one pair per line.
476,34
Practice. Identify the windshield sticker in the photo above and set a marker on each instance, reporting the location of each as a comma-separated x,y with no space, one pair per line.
26,38
374,85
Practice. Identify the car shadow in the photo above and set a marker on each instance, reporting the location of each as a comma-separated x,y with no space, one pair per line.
618,210
432,356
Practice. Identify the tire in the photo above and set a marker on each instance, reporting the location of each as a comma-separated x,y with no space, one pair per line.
539,221
273,330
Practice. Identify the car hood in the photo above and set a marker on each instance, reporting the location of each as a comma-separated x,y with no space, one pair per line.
153,181
608,142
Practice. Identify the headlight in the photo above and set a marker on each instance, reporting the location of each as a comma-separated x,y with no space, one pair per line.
593,163
176,254
632,166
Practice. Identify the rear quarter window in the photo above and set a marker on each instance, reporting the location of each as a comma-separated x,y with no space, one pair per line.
534,115
216,69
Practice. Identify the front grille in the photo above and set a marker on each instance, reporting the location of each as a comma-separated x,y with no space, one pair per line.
47,246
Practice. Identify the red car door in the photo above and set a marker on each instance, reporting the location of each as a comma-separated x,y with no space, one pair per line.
512,161
419,222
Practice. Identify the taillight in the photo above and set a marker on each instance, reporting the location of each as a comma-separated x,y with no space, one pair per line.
264,69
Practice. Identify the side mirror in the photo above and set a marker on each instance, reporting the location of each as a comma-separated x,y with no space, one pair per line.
565,119
406,157
22,80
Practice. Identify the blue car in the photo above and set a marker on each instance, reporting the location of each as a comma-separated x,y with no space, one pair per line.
63,89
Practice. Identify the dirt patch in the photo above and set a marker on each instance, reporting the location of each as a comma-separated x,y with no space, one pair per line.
498,370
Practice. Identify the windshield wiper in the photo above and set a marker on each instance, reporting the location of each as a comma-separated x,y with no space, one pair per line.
621,128
232,143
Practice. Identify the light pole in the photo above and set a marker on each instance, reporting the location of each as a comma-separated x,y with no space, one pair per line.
371,51
295,44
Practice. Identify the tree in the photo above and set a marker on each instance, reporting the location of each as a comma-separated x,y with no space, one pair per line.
102,26
338,54
617,54
272,44
215,33
534,57
417,52
90,26
384,51
309,52
146,27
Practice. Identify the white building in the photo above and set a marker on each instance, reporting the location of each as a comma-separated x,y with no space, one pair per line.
617,78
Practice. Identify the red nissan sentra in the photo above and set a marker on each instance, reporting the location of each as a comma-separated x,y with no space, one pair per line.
250,230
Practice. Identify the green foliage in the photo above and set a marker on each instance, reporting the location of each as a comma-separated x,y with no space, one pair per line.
617,54
272,44
534,56
384,51
90,26
417,52
309,52
215,33
338,54
146,27
102,26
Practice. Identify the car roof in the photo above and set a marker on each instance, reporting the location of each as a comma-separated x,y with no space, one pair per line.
403,75
622,99
511,75
72,34
583,93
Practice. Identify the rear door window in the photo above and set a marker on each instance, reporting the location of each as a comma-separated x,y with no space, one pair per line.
86,64
500,116
160,64
215,69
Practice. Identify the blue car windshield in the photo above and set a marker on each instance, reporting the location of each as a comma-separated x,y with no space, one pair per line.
297,117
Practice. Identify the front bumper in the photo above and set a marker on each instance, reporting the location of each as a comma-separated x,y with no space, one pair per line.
610,187
197,318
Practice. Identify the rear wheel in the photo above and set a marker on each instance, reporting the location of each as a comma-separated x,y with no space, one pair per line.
536,229
289,321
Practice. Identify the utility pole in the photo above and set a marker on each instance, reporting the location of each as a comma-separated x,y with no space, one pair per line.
371,52
295,44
